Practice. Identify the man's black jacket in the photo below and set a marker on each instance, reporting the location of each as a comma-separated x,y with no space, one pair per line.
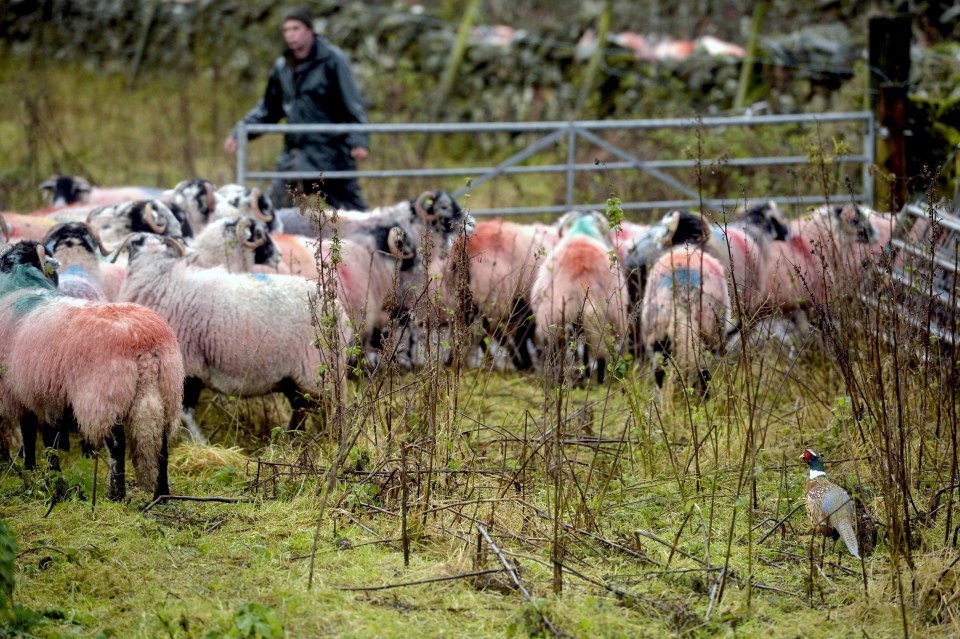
318,89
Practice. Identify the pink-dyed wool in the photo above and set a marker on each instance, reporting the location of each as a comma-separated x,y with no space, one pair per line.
578,281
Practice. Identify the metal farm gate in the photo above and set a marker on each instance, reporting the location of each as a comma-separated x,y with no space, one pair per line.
580,142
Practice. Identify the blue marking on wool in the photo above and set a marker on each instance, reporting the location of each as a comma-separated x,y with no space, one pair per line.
75,271
260,277
718,233
681,277
585,225
21,277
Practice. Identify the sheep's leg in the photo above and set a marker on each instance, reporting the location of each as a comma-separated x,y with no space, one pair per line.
522,338
51,436
163,480
63,427
191,397
117,448
299,403
28,432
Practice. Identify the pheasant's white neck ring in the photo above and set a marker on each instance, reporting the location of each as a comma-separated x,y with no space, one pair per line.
816,473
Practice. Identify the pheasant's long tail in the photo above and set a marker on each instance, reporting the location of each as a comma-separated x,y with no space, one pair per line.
849,537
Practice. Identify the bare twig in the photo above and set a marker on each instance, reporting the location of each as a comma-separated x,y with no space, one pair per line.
516,579
223,500
462,575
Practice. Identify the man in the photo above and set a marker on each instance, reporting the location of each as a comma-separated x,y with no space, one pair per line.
312,83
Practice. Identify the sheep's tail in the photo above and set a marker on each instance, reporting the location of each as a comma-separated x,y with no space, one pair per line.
849,536
151,417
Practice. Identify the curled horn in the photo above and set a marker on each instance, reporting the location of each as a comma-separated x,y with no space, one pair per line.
211,199
49,184
248,223
149,220
169,241
255,206
123,244
5,229
424,202
104,251
396,239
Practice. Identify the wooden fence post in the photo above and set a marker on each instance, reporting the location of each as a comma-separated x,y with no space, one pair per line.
889,72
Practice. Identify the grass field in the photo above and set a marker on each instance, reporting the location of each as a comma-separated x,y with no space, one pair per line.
475,502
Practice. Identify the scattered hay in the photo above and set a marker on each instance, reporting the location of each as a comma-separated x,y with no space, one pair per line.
192,459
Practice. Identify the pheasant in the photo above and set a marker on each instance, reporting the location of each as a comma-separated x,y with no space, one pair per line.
830,508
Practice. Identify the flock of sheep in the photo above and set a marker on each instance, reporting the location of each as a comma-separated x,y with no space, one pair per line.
213,288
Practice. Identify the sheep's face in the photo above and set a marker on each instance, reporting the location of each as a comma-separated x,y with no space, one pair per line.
29,253
181,216
767,219
253,235
196,198
855,224
683,227
441,211
236,199
73,235
63,190
143,244
150,216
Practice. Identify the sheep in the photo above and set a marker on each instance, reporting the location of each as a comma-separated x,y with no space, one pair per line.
685,313
435,220
367,281
115,222
431,212
197,199
64,190
237,244
801,271
625,235
365,271
503,262
743,247
75,246
258,335
114,368
233,200
578,292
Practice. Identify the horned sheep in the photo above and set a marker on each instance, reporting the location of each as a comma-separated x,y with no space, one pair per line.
259,333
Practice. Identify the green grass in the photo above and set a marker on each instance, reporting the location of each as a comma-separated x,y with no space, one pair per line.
185,569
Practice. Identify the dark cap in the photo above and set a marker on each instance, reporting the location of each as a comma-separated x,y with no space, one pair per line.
300,14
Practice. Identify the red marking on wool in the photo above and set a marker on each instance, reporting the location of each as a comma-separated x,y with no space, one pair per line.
487,237
583,257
